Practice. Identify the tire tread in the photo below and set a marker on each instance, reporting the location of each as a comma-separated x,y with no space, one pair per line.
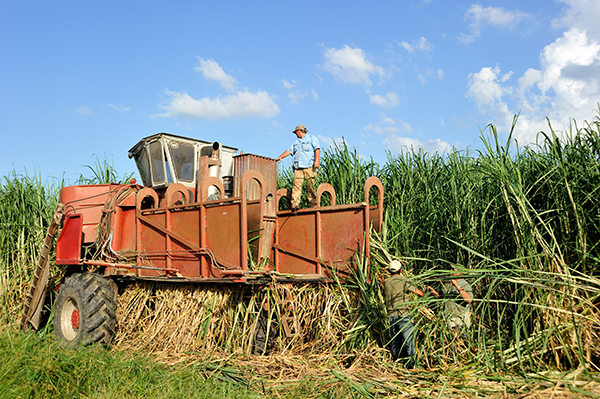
97,308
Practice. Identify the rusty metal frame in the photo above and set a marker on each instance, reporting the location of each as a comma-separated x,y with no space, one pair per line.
173,249
202,250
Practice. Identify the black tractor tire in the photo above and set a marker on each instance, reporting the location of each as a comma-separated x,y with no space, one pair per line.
85,310
264,343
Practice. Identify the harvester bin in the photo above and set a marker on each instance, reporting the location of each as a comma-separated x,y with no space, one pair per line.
203,215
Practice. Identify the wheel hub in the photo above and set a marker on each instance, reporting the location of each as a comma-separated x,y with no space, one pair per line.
70,319
75,319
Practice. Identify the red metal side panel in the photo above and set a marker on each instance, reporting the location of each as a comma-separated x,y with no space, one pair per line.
254,231
186,224
152,252
342,235
374,218
312,238
124,230
87,201
299,233
68,245
293,264
223,233
86,195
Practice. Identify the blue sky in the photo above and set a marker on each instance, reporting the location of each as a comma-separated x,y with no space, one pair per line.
86,78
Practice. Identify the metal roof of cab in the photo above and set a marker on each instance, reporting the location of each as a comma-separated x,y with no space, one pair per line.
156,136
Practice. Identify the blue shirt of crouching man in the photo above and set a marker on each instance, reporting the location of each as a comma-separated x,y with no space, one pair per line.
399,292
306,151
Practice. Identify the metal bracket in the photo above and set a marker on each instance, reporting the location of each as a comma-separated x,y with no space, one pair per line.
34,303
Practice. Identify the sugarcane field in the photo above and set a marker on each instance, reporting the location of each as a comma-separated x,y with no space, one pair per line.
206,277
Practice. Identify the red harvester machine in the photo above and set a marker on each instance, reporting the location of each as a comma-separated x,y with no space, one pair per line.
203,215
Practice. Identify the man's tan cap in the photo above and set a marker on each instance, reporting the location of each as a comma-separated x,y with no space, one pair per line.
299,127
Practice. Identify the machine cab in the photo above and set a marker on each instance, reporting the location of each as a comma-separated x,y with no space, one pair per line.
165,158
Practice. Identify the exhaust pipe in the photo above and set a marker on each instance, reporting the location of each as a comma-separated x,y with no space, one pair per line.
215,152
214,169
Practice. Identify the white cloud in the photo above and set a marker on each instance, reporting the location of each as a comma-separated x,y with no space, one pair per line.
390,100
570,62
120,108
239,105
419,44
275,124
315,95
386,119
374,128
439,75
212,71
405,127
506,76
83,110
567,85
581,14
398,144
529,78
327,141
485,88
387,125
288,85
350,65
480,17
295,94
379,129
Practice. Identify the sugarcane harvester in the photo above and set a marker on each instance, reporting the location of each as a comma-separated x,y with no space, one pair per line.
202,215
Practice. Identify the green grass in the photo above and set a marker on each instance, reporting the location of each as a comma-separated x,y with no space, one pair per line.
35,366
26,207
103,172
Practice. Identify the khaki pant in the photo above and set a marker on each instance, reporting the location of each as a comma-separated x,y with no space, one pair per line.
458,322
301,177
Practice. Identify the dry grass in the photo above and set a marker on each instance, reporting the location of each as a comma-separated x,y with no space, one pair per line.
188,326
173,318
370,374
